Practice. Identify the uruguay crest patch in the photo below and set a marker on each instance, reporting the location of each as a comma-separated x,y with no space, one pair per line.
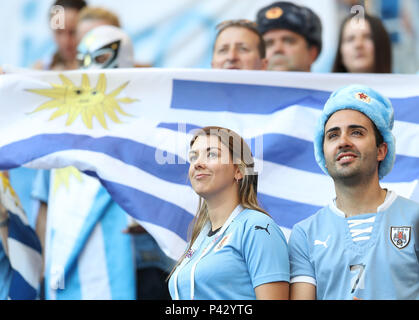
400,236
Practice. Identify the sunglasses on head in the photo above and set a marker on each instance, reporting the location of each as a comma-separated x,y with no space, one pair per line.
237,22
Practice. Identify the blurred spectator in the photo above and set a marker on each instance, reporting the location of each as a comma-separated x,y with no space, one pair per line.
86,19
106,47
91,17
64,58
100,49
238,45
64,37
292,34
86,195
364,46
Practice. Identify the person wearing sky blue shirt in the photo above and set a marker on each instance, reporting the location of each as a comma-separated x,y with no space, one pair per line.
363,245
236,251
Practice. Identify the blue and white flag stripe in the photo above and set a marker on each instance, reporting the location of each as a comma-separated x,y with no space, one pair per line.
243,98
92,259
24,249
142,161
275,150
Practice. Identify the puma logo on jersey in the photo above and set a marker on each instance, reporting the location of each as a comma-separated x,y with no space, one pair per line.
323,243
262,228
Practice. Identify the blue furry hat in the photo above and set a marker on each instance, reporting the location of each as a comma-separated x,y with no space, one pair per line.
373,105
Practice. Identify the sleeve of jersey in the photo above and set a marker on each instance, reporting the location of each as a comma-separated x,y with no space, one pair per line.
40,187
301,267
265,251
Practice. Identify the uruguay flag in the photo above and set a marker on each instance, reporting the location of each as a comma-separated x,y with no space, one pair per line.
87,255
21,270
131,129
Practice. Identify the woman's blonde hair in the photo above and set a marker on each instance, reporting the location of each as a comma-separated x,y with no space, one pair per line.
241,156
98,13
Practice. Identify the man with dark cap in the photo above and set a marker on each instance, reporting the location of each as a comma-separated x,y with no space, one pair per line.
363,245
292,34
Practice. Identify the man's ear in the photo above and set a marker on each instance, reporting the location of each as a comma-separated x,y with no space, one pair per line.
382,151
313,53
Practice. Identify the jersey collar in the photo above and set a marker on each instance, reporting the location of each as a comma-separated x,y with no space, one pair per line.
388,201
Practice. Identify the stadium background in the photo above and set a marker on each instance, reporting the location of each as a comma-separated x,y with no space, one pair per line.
180,33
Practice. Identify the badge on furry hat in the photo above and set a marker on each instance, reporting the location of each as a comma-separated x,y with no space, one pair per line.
274,13
362,97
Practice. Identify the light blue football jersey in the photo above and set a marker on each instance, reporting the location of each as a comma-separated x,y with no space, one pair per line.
369,256
252,251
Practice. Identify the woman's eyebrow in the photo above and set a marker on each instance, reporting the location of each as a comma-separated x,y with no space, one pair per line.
208,149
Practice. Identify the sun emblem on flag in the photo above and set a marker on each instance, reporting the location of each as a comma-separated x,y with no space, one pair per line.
83,101
62,177
274,13
362,97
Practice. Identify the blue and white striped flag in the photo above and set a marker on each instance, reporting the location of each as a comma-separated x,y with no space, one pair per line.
131,129
87,254
24,248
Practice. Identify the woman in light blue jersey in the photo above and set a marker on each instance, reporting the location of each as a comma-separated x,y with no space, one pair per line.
236,251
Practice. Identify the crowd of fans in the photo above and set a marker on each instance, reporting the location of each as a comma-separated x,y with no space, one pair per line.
283,37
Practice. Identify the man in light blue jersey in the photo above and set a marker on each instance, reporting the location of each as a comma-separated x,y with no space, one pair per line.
362,245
